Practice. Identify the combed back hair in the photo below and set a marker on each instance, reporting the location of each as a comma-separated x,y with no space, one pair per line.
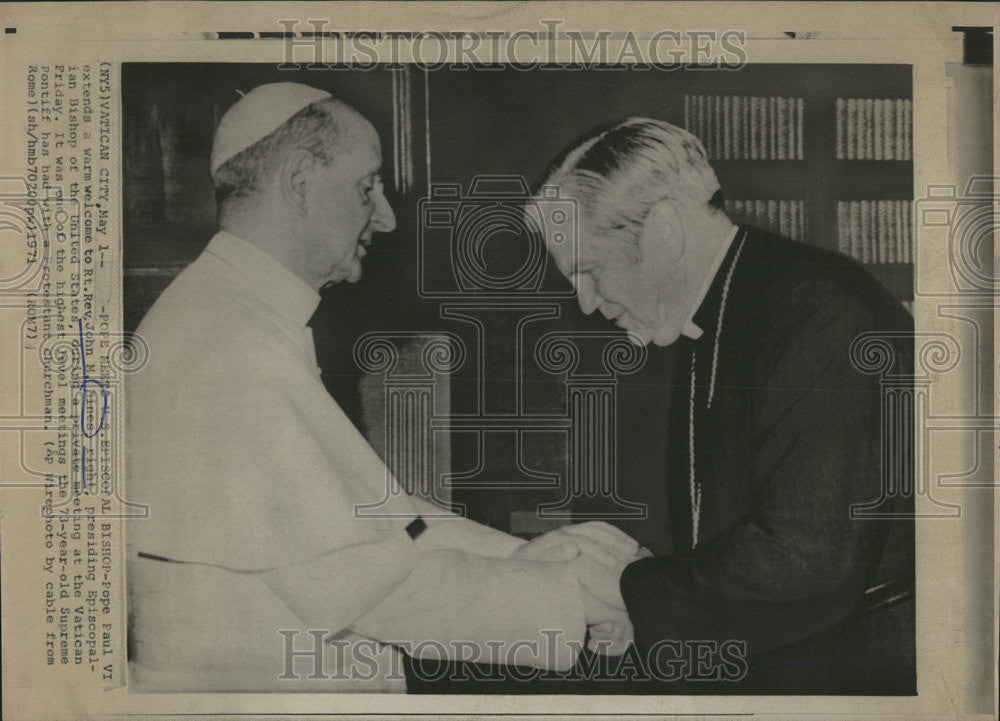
619,174
313,128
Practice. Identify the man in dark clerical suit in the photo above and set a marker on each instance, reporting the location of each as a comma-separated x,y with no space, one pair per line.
775,428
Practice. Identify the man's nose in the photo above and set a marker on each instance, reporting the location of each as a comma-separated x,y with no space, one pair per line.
588,304
383,219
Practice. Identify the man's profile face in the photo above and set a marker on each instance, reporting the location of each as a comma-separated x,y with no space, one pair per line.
642,293
346,206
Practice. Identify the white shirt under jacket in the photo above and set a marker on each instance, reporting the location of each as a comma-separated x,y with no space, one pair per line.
252,473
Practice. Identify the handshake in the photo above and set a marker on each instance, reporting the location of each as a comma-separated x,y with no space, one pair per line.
596,553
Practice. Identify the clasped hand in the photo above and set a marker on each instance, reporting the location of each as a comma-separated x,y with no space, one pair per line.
596,553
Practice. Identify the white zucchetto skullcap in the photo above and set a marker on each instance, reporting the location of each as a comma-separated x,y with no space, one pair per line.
258,114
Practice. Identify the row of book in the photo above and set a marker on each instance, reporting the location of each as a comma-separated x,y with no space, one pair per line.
785,217
736,127
876,231
873,231
874,129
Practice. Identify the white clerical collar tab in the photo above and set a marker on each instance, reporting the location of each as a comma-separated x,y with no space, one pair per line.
692,331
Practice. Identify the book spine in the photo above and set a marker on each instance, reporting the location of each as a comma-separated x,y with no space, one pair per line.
855,229
788,119
800,113
843,231
786,127
763,152
900,131
876,250
841,112
852,128
695,130
892,239
726,113
889,129
747,128
700,118
737,119
908,253
904,233
703,124
706,126
712,146
866,248
771,124
736,132
862,140
717,124
782,128
883,231
765,130
877,129
908,130
870,130
862,130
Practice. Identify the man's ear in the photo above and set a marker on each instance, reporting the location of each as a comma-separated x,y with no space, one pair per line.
294,173
662,233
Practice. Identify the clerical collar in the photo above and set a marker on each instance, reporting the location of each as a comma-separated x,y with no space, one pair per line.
691,329
277,286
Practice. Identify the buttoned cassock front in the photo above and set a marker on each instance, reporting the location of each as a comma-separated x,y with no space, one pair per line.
253,476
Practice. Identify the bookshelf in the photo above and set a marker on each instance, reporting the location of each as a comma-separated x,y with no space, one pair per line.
831,165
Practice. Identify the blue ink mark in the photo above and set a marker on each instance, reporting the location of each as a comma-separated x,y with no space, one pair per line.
104,406
83,406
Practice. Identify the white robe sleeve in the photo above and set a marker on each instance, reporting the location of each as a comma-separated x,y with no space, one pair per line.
452,604
459,606
449,530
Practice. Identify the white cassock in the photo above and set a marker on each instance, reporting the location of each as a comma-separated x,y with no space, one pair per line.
253,474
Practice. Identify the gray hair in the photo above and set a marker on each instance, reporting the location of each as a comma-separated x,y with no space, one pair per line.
618,175
313,128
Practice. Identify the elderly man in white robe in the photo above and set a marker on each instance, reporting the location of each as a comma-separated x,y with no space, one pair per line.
254,549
